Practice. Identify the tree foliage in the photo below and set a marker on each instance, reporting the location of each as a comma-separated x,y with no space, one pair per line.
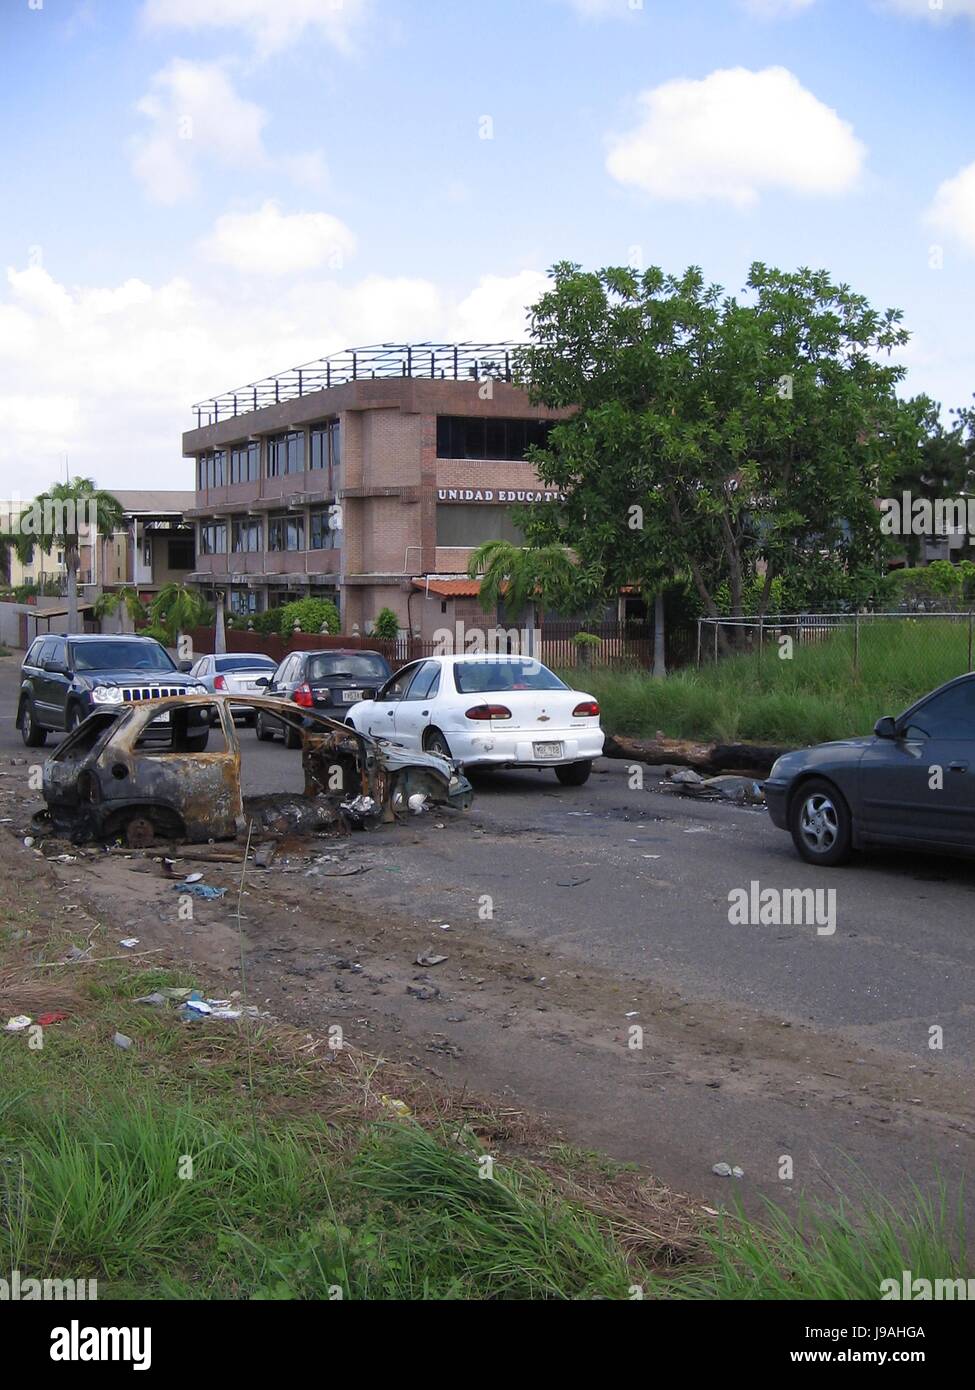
711,433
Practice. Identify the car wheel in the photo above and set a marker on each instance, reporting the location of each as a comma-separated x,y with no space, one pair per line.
30,731
292,738
574,774
261,729
820,822
434,742
74,718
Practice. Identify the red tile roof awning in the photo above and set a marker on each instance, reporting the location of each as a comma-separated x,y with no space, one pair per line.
449,588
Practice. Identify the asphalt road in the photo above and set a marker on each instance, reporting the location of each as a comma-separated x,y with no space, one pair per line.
637,883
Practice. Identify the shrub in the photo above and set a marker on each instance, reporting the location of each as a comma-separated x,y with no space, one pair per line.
386,626
311,615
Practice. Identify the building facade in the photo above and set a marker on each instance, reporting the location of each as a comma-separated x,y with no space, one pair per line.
368,489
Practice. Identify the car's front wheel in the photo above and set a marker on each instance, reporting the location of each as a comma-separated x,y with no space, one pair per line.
30,731
574,774
436,743
819,818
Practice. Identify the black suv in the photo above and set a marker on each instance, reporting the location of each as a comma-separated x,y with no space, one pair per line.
328,681
63,679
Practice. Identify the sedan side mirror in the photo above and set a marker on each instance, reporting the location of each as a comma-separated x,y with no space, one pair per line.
184,667
886,727
263,681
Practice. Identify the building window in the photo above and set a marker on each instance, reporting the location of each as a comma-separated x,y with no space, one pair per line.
326,454
469,526
246,537
243,601
460,437
286,532
286,453
213,538
245,462
322,530
181,553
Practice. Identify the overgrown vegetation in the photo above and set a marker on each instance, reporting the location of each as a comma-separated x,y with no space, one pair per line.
819,694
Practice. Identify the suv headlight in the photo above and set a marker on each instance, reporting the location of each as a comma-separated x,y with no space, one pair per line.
106,695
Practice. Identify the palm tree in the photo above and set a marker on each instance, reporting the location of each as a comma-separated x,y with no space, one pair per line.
177,608
128,598
62,517
522,575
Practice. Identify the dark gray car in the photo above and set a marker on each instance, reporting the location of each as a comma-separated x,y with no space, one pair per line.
910,784
330,682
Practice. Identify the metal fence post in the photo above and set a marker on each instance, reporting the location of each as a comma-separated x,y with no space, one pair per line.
700,621
971,620
715,621
856,645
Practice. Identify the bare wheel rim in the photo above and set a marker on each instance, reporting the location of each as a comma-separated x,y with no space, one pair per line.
819,823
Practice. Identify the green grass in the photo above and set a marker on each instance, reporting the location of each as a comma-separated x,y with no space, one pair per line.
297,1189
815,696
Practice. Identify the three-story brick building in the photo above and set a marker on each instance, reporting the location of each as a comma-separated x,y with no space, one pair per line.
367,478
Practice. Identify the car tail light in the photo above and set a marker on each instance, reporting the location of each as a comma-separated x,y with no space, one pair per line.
220,683
304,697
587,710
488,712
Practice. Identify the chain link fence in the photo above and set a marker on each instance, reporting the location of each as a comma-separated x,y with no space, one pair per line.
943,643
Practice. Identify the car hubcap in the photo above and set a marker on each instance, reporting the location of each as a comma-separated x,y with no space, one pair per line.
819,824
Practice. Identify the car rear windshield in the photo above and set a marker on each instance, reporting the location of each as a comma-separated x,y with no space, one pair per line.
360,666
479,677
245,663
120,656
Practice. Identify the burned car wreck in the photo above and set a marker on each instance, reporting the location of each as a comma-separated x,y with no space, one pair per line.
131,773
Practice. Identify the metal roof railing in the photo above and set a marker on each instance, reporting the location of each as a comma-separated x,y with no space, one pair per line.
436,361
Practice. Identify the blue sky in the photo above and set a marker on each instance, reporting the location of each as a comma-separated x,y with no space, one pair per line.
201,192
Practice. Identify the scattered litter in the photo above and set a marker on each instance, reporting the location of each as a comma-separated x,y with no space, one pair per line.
155,1000
424,959
444,926
632,1014
226,1013
686,776
76,953
424,992
572,883
193,878
18,1024
199,890
359,809
697,830
418,803
652,856
64,859
398,1107
130,942
580,813
120,1040
264,854
725,1170
28,842
198,1006
45,1020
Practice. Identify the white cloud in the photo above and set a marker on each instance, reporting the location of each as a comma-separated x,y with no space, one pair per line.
734,134
195,114
270,242
773,9
108,374
270,25
495,311
953,210
924,9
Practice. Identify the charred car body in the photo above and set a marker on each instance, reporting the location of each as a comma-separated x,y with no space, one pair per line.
111,779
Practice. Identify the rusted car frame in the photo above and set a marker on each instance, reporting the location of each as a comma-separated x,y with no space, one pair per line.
109,779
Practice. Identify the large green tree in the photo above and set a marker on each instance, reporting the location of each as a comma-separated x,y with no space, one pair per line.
710,432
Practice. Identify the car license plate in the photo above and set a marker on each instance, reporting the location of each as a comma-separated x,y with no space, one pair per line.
547,750
349,697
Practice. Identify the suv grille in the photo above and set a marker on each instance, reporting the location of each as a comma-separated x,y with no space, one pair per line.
150,692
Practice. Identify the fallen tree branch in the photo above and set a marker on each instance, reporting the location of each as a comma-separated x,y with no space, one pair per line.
753,759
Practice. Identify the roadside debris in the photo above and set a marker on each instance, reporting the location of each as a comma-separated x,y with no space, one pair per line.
106,780
428,959
725,1170
715,758
46,1020
122,1041
684,781
18,1024
199,890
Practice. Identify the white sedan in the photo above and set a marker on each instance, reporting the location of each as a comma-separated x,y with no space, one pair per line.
487,711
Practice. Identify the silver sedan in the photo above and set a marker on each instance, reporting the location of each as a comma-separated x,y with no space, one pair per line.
235,673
